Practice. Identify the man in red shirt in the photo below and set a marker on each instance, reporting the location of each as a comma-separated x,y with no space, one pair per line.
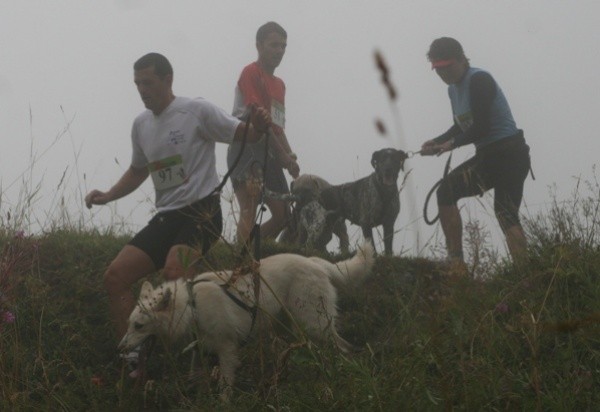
258,85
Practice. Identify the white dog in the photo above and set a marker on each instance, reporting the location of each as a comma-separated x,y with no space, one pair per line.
221,308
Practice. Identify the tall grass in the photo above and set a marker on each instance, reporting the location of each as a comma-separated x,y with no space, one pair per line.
523,338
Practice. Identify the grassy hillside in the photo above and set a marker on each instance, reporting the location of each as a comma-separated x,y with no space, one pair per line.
512,338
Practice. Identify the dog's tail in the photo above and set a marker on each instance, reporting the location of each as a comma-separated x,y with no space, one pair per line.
352,271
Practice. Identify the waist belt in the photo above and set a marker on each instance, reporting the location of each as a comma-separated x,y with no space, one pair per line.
512,143
209,204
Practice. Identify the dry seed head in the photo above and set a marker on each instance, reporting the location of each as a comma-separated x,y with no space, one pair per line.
381,65
391,91
385,72
380,127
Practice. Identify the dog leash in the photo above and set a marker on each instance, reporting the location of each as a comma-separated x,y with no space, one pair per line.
430,222
253,268
410,154
238,157
433,189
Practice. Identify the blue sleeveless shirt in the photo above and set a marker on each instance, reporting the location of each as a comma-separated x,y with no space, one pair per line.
502,124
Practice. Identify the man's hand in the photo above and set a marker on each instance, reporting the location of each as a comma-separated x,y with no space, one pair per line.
430,147
288,162
260,119
96,197
293,168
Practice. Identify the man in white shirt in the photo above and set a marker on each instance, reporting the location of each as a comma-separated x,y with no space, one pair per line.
174,143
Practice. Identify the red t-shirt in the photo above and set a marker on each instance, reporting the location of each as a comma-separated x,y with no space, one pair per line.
257,86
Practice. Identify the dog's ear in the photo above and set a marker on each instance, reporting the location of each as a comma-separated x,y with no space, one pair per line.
401,156
146,290
375,158
164,302
315,184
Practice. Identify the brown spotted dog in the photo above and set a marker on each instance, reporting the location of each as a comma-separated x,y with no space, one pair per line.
311,225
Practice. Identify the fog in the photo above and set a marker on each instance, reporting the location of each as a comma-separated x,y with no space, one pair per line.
67,98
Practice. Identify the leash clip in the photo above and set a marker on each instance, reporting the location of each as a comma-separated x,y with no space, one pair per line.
410,153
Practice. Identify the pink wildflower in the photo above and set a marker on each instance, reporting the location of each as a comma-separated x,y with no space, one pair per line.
7,317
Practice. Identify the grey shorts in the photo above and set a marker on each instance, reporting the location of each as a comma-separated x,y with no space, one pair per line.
251,164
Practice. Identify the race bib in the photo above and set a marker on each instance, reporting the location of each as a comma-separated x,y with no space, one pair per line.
278,113
167,173
464,121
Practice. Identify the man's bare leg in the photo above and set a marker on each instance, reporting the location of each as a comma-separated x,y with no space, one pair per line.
516,242
279,217
130,265
452,228
247,202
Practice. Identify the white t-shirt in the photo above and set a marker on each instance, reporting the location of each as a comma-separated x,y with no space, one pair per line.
178,148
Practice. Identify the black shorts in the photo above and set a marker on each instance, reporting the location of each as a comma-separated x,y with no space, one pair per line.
503,167
196,225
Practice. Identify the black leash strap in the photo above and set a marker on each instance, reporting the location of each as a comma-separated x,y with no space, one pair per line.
221,185
432,191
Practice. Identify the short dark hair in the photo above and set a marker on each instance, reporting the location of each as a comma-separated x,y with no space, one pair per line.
445,48
268,28
161,65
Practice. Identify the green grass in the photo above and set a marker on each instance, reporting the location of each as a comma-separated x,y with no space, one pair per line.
521,338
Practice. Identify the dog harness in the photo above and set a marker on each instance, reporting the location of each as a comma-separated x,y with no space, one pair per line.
252,268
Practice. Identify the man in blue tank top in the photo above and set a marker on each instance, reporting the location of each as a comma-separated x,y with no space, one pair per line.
482,116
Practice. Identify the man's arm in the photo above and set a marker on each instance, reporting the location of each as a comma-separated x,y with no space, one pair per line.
442,143
131,180
448,134
285,156
482,93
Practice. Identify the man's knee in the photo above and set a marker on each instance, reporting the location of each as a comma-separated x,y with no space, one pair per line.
280,211
507,219
127,268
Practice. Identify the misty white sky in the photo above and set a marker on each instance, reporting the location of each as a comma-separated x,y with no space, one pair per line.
67,99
